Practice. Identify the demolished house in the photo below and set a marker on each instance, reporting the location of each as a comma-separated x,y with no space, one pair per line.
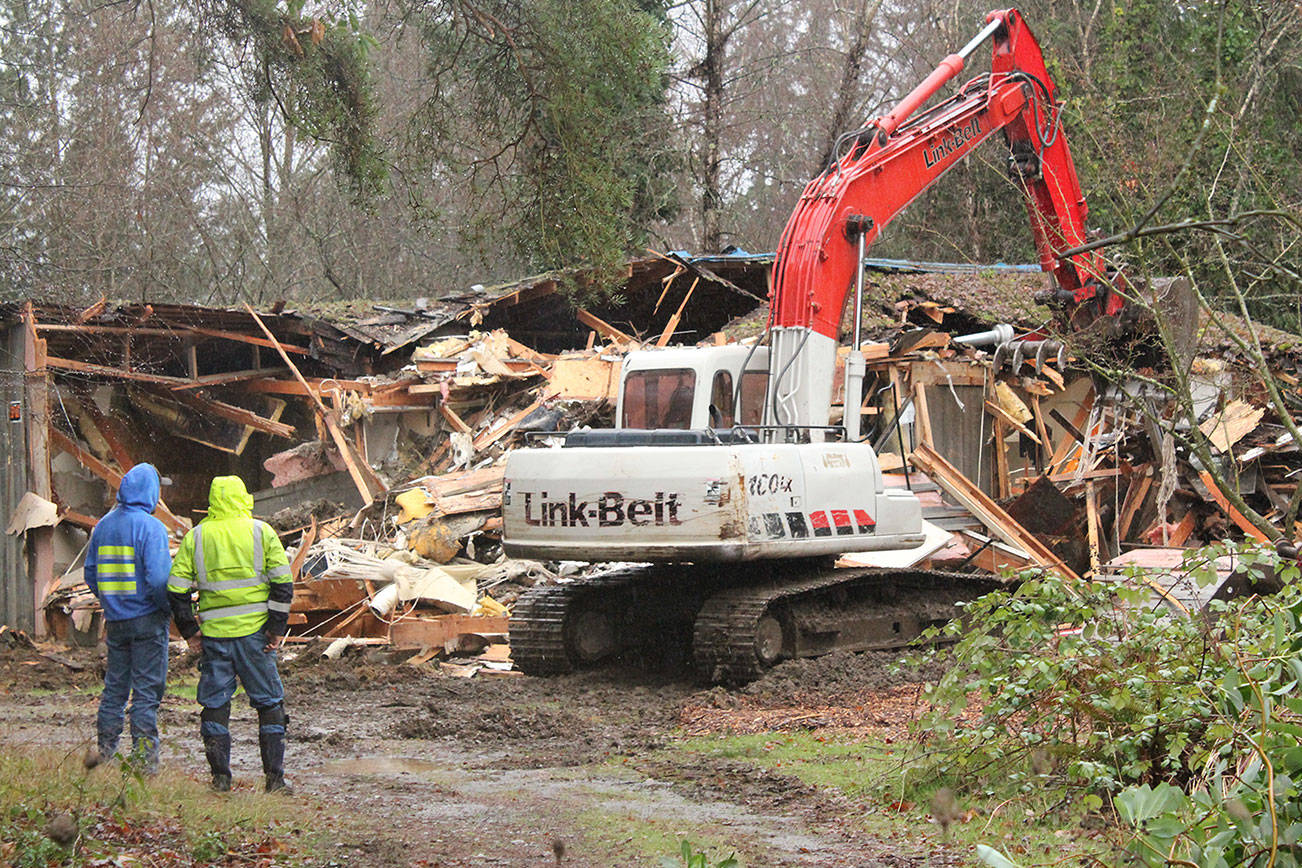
373,435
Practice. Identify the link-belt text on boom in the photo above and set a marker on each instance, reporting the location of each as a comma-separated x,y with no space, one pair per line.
947,146
609,510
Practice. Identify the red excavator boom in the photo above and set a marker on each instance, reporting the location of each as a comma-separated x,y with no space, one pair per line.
878,170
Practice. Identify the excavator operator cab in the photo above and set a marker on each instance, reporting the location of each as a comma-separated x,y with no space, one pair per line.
692,388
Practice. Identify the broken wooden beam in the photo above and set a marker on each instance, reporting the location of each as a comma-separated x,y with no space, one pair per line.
368,484
436,632
112,373
976,501
1235,516
231,413
109,474
603,328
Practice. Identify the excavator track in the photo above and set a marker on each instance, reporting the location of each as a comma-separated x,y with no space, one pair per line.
740,632
706,618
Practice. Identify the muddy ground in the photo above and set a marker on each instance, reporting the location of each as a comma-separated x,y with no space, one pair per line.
451,771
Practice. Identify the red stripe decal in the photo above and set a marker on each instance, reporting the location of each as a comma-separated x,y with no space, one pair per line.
841,517
818,519
861,518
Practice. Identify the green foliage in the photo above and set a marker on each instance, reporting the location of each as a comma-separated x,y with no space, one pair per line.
691,858
208,847
566,126
315,70
1192,727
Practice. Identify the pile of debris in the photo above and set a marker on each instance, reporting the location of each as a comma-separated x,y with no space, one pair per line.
1020,457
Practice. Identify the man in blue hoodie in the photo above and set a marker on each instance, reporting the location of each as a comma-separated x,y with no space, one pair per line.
127,564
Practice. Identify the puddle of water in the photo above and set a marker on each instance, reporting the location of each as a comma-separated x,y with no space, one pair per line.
384,766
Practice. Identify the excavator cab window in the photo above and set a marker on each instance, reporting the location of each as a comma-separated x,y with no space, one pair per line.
659,398
721,415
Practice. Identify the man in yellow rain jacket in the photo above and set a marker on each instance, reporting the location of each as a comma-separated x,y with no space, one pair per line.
238,566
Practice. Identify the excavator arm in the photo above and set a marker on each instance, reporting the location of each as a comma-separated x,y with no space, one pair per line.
878,170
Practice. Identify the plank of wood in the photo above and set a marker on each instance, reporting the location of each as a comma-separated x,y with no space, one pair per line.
437,631
491,435
603,328
1092,525
1075,438
1231,425
1183,529
1134,499
302,388
668,333
109,474
113,432
1008,419
112,373
458,424
992,556
300,556
338,629
1235,516
229,378
991,514
921,416
81,520
1046,445
999,447
230,412
368,484
253,340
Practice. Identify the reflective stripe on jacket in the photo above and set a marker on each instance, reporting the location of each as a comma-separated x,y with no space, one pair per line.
232,560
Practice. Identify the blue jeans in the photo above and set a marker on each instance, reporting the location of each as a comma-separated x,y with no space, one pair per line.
137,669
223,661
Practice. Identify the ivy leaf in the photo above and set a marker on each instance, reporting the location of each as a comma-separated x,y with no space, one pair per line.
1138,804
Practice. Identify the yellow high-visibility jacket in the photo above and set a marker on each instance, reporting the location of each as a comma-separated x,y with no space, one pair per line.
237,565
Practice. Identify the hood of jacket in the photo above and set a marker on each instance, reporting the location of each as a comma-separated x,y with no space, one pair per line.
228,498
140,488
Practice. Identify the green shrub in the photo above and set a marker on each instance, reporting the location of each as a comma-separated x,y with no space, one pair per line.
1190,726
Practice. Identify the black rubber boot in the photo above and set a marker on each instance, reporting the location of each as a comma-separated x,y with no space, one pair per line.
271,743
218,750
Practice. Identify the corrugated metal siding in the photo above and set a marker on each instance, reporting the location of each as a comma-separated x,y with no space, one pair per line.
16,605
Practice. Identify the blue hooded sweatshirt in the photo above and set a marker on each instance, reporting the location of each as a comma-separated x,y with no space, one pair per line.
127,562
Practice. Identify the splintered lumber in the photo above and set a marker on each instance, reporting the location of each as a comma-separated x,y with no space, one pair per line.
1008,419
603,328
1135,495
440,630
992,556
991,514
368,484
108,474
678,314
1092,524
1230,425
1235,516
115,373
458,424
231,413
491,435
921,415
114,432
1183,529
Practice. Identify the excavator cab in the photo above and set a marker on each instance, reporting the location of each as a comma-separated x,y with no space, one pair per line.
716,388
